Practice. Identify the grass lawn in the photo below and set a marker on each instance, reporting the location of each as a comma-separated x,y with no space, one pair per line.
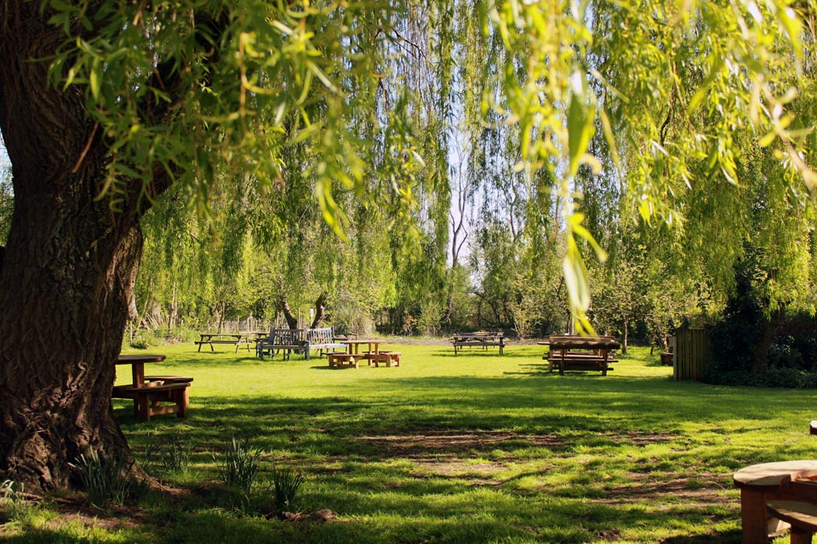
470,449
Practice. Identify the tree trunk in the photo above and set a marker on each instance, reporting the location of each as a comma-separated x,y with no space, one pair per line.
320,310
292,321
626,334
760,353
68,272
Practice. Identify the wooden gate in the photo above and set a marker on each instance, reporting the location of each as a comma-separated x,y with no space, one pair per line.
691,358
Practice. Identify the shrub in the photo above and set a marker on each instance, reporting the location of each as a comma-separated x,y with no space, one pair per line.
140,341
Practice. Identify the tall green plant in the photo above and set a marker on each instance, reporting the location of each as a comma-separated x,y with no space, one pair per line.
240,465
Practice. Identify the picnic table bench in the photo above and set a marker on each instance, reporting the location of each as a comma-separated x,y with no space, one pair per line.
568,352
153,395
482,339
225,338
773,495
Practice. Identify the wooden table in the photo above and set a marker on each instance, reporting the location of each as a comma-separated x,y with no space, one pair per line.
478,339
593,352
353,346
787,480
137,362
226,338
151,394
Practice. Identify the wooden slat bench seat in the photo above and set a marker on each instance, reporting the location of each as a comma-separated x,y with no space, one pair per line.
322,339
150,400
580,363
389,358
800,514
342,359
305,341
284,341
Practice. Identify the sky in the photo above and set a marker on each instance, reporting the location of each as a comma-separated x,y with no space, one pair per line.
4,158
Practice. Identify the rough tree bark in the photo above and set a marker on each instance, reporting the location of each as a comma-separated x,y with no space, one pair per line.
68,272
283,303
320,310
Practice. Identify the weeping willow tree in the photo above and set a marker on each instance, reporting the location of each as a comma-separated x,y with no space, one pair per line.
108,107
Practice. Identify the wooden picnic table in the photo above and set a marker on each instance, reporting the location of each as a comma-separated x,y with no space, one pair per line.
151,394
237,338
570,352
481,339
786,480
373,354
353,346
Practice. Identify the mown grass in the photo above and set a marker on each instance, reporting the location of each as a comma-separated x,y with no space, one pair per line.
467,449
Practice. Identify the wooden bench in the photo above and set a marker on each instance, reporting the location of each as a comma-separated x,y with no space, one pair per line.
478,339
580,363
152,398
322,339
801,515
280,340
341,359
389,358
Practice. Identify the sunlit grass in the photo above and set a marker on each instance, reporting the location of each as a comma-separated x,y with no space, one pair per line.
467,449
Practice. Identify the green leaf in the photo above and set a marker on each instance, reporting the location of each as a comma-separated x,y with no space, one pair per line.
580,126
95,79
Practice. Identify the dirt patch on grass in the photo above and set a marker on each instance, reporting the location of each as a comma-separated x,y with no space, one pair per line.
451,444
477,474
701,490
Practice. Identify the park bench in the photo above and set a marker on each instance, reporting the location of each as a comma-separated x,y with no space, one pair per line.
322,339
297,340
283,340
484,339
801,515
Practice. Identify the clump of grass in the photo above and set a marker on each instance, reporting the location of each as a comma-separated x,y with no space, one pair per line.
13,506
240,465
286,482
103,478
169,457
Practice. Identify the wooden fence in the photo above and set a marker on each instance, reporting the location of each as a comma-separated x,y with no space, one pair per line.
691,358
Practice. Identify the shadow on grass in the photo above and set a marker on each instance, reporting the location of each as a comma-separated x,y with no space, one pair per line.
524,457
715,537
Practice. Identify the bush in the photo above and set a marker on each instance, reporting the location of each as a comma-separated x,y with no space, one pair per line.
789,378
140,341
